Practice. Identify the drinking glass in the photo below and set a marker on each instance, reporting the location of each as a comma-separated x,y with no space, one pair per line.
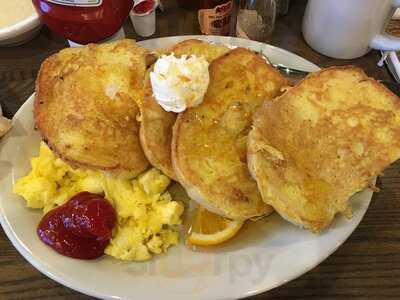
256,19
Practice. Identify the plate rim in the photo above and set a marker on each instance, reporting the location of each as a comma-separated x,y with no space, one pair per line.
23,250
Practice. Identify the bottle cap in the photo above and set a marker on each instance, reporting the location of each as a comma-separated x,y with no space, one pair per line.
119,35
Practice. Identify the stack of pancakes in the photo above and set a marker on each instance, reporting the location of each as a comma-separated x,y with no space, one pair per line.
253,144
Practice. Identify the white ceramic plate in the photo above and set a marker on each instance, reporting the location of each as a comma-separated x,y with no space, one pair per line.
264,255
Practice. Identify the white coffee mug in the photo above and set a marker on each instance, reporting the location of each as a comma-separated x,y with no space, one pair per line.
348,29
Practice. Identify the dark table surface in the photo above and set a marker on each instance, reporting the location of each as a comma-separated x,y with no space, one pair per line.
366,266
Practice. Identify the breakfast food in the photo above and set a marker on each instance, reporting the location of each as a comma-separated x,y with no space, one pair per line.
209,141
179,82
12,12
145,210
86,105
198,48
80,228
322,141
307,152
147,215
209,229
156,123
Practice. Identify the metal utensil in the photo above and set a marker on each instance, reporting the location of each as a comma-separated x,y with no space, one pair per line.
290,71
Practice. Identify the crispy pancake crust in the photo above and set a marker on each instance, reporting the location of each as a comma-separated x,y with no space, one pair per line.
321,142
209,141
86,105
156,123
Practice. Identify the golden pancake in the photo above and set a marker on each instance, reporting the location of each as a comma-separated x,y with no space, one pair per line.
156,123
209,141
86,105
322,141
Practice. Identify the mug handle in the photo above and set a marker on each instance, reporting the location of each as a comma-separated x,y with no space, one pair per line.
386,42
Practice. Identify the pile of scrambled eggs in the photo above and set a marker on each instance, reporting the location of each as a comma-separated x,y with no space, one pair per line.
146,211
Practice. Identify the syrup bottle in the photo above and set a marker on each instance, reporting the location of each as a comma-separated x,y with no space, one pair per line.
214,15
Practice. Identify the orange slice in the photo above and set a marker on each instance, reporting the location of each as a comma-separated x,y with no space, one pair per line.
209,229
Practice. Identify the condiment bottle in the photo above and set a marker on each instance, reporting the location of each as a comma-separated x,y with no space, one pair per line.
215,16
84,21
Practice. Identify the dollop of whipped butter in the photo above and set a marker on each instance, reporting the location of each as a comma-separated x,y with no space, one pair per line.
179,83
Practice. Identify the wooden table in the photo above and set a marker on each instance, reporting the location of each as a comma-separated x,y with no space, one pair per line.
367,265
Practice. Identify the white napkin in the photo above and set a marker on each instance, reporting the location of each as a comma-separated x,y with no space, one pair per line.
5,124
391,57
396,15
392,61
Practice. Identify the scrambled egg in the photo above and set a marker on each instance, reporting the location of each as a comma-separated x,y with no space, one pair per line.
146,212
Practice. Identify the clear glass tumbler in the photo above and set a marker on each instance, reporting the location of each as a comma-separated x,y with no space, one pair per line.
256,19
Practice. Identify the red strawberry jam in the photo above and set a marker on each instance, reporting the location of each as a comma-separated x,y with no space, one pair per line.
81,228
143,7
